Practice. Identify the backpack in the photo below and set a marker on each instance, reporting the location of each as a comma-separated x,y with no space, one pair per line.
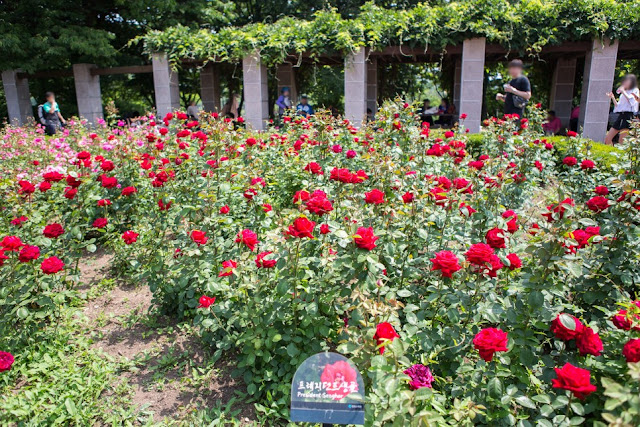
41,118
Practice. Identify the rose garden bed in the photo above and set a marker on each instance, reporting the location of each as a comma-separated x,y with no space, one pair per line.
497,288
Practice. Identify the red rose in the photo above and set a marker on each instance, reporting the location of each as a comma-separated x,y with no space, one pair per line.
206,302
53,176
107,166
318,203
70,193
598,203
375,197
127,191
53,230
104,202
324,229
495,238
365,239
625,320
589,342
261,262
514,261
44,187
601,190
408,197
574,379
446,262
29,253
249,238
512,224
572,134
83,155
164,206
224,210
566,327
11,243
72,181
479,254
384,334
314,168
100,223
587,164
570,161
489,341
301,228
6,360
301,196
228,268
26,187
266,207
199,237
18,221
51,265
631,350
109,182
130,237
342,377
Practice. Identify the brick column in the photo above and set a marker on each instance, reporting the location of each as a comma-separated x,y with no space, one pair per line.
256,93
88,93
16,92
165,84
285,74
599,71
372,84
210,87
471,82
355,87
562,87
456,84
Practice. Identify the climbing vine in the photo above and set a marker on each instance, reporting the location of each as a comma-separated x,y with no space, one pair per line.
524,26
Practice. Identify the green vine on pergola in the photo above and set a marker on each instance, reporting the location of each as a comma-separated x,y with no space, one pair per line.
521,26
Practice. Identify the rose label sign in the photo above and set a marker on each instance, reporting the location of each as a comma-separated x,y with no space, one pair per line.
327,388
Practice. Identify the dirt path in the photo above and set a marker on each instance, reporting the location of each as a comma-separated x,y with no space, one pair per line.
164,363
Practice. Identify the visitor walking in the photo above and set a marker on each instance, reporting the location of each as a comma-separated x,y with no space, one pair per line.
303,108
284,101
52,116
518,90
626,107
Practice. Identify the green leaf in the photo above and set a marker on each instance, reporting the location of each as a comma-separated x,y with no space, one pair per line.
494,388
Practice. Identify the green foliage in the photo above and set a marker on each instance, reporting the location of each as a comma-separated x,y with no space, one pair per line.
525,28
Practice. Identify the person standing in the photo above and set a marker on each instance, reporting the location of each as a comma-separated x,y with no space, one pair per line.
52,116
192,111
518,90
626,106
284,101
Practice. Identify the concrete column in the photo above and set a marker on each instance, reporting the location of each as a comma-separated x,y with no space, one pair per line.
355,87
561,98
471,82
256,93
456,84
372,84
285,74
599,71
16,92
88,93
165,84
210,87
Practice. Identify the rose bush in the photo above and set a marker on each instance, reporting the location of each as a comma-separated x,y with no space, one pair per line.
493,287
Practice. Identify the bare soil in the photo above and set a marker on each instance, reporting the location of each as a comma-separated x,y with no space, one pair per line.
159,354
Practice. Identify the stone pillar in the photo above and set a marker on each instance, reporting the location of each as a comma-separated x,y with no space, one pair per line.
210,87
88,93
355,87
16,92
286,77
372,84
456,83
256,92
471,82
561,98
599,71
165,84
